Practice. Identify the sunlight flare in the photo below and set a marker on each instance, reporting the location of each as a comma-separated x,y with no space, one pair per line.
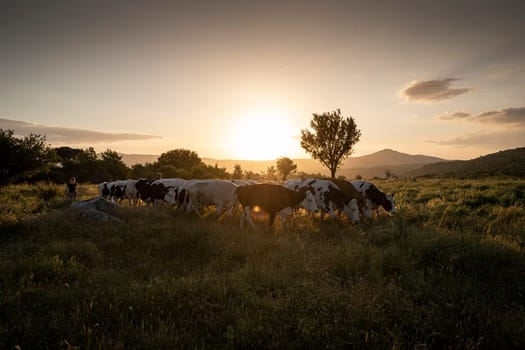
262,134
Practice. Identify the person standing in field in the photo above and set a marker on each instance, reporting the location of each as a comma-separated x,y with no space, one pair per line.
72,187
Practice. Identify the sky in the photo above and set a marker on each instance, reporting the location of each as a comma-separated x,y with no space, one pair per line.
240,79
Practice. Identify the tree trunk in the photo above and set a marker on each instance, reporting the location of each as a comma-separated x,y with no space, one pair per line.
332,172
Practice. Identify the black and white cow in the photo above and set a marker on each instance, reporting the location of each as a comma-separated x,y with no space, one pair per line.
104,189
174,186
328,197
374,197
272,199
198,193
114,190
151,191
350,191
125,189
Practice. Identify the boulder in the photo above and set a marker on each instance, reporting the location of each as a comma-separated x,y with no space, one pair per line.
95,210
95,215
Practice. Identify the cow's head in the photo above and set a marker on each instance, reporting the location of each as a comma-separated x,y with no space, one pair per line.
388,203
171,196
117,191
351,210
308,202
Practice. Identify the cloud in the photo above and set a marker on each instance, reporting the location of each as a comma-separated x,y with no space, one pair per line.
507,116
62,135
509,124
432,90
502,71
453,116
504,116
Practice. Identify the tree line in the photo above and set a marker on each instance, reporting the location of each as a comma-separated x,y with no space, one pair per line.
31,159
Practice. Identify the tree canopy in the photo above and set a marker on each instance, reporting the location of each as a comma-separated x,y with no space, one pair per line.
22,157
332,139
179,158
285,166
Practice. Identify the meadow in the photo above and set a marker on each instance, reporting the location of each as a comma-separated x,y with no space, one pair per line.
447,271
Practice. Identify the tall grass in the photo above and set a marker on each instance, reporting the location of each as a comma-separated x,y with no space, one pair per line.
447,271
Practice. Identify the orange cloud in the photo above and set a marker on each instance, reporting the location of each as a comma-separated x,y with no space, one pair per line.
57,134
433,90
506,116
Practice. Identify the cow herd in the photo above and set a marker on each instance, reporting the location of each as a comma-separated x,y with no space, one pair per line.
352,199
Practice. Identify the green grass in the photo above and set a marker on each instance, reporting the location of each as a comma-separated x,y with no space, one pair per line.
447,271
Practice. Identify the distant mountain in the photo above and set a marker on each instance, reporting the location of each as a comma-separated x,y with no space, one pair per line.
367,166
510,162
378,163
388,157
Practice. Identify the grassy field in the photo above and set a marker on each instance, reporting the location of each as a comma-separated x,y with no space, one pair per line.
448,271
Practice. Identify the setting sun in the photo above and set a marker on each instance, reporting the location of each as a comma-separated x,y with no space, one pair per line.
262,134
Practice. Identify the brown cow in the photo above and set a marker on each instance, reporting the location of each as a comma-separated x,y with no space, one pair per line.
271,199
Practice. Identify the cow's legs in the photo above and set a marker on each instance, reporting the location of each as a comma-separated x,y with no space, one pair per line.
272,219
247,215
193,206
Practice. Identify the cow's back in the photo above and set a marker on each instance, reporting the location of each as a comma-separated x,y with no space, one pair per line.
348,189
271,198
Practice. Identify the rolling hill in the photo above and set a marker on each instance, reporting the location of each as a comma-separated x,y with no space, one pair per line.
376,164
509,162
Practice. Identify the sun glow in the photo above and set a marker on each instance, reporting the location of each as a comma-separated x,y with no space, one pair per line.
263,134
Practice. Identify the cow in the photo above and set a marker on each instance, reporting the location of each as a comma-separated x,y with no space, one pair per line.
104,189
151,191
174,186
198,193
329,198
374,197
125,189
117,192
271,199
350,191
111,190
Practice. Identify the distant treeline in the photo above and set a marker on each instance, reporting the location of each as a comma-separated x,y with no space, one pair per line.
30,159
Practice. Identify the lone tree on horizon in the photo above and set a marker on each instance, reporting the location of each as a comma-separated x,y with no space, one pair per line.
332,139
285,167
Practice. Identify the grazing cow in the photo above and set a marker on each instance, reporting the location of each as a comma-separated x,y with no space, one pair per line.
117,192
350,191
329,198
111,190
174,186
104,189
374,197
125,189
152,192
271,199
198,193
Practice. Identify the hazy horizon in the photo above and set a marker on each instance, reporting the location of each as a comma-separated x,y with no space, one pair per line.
240,79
